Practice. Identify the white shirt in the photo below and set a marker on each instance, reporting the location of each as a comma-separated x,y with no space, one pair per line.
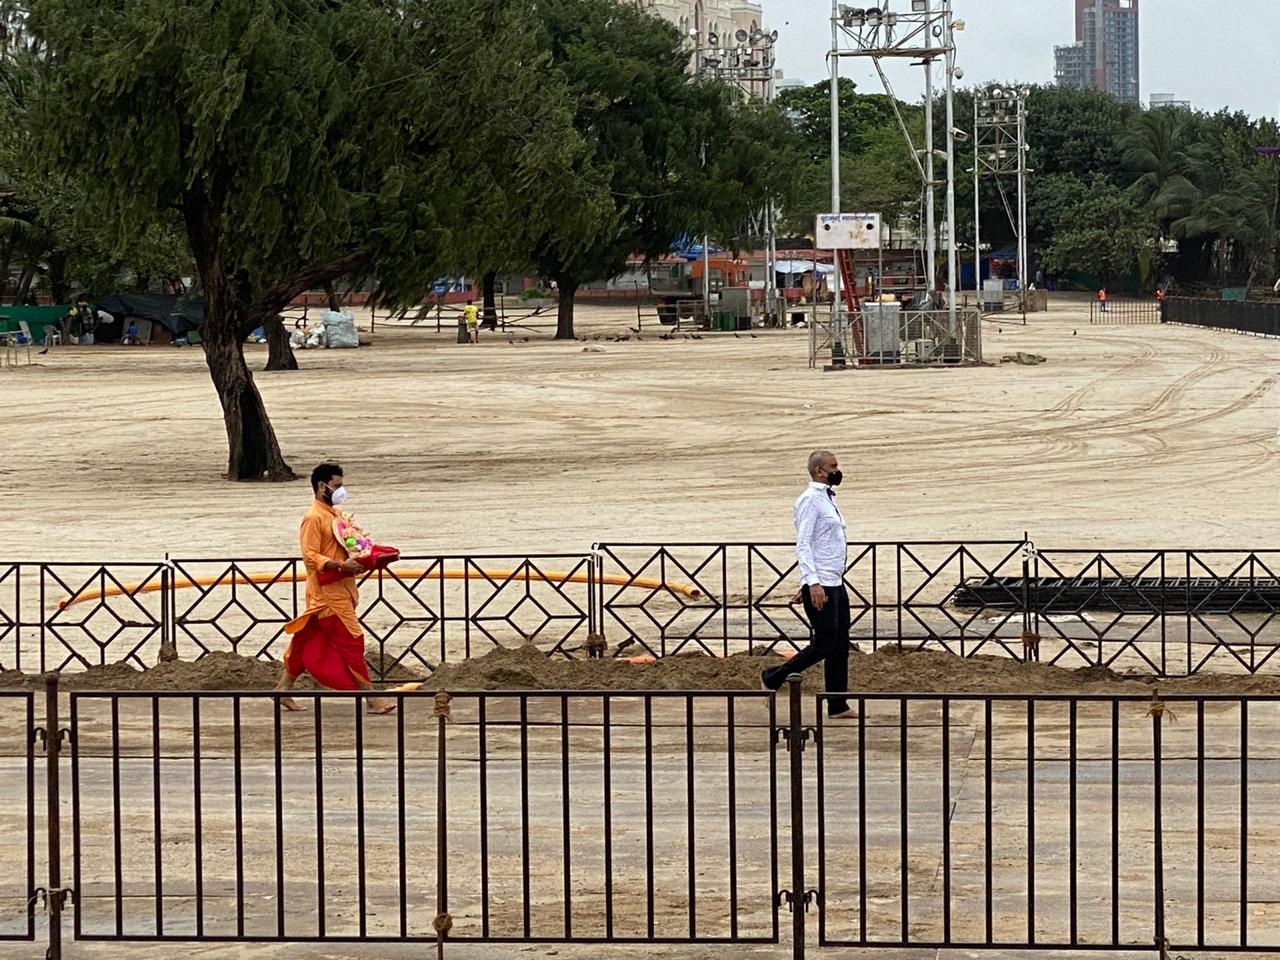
821,537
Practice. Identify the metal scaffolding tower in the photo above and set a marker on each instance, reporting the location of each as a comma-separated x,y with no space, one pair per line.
1000,152
922,31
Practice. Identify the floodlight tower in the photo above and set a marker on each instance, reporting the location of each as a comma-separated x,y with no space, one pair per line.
746,61
923,34
1000,150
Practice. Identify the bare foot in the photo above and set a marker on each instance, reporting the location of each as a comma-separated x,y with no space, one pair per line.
288,702
850,714
380,706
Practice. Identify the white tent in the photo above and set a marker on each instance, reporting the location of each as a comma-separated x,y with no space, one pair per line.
793,268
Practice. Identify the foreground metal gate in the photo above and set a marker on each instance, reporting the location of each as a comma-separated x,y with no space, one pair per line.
1053,822
1128,823
495,817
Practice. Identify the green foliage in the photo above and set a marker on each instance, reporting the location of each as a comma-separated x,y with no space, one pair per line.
862,117
47,224
877,172
666,156
1073,131
1099,230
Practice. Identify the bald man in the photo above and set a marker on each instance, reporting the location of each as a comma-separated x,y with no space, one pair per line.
822,556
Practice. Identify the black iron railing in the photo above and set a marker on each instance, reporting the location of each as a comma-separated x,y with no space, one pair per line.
1068,822
967,821
1124,311
20,738
498,817
1261,318
1160,612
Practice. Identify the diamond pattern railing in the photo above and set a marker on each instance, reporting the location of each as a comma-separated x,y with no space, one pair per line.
898,593
1162,612
1155,612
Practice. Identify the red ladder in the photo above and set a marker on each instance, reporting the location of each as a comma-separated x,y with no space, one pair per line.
849,281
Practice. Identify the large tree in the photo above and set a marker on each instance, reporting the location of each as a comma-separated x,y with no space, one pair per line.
300,141
667,155
1100,230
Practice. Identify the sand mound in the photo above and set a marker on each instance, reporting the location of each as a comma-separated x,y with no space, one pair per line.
527,668
215,671
886,671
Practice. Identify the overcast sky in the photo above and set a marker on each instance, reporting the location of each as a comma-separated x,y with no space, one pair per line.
1231,60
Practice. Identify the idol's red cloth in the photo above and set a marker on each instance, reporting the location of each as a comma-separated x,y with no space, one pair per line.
376,559
323,647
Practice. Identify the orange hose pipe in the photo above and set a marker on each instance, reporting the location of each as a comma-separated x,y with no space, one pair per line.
187,583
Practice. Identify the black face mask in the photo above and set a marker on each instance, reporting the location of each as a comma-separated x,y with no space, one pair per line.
834,478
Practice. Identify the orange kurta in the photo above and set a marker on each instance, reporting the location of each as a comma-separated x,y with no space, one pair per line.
318,646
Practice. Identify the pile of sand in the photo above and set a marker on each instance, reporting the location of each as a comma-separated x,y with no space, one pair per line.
527,668
214,671
886,671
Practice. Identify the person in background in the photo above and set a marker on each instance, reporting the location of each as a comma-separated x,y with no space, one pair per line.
1102,299
130,338
471,313
822,555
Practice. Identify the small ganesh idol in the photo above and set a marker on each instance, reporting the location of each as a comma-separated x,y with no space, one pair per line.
360,546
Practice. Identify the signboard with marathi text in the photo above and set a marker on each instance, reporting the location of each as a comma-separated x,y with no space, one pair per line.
848,231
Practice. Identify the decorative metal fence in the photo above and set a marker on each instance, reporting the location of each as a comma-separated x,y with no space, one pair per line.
1159,612
739,596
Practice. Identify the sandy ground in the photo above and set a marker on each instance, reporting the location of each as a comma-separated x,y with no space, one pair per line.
1128,436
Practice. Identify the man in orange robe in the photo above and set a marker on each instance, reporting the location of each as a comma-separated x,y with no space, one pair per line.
327,639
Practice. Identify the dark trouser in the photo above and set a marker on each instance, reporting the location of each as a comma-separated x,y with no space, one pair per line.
830,645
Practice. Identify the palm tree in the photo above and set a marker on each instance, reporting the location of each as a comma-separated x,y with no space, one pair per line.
1156,152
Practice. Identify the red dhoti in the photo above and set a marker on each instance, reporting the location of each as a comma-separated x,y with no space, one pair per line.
323,647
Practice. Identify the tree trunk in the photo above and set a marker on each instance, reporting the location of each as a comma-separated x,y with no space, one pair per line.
59,287
6,258
279,350
568,289
335,301
24,283
253,451
490,285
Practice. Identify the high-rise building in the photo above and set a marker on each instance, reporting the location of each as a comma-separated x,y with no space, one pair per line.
1105,54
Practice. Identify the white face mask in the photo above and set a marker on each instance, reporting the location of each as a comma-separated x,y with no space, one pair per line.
338,497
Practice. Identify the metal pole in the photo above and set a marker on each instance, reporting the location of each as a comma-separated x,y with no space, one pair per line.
706,279
837,334
795,744
52,742
950,63
931,233
1022,194
977,208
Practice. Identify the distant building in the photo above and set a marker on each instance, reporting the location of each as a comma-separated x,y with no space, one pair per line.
1105,55
712,23
1168,100
704,17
